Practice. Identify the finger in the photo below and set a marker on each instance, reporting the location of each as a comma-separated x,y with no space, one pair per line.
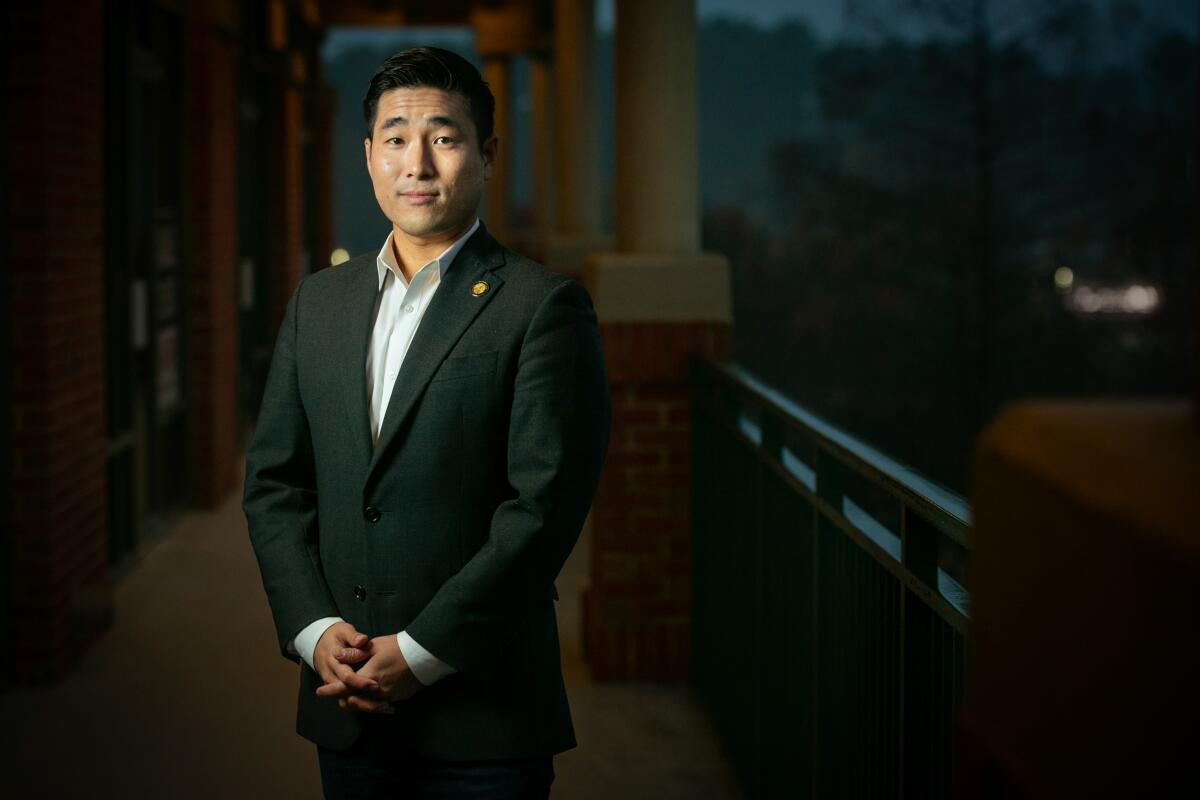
332,689
348,637
338,634
351,655
353,680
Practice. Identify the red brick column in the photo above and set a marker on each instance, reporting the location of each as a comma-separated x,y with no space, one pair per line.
637,610
212,238
61,589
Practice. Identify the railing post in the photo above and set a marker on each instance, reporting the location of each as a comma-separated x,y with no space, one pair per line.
830,482
919,546
772,435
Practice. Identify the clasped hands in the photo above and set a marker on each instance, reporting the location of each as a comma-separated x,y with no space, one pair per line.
384,679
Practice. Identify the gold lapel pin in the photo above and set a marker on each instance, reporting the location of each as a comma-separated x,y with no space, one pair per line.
479,289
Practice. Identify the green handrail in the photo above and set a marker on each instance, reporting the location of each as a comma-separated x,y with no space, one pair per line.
828,599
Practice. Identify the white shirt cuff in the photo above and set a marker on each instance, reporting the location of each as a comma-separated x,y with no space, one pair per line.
305,643
426,667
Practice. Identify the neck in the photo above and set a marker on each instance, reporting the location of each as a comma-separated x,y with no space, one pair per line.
414,252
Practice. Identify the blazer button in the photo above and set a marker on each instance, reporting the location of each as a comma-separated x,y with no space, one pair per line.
360,593
372,514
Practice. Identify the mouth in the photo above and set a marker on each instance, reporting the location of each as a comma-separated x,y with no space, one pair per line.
419,198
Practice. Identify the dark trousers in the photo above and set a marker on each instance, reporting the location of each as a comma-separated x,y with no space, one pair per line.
366,772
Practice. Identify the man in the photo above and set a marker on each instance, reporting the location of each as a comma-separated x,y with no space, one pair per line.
430,440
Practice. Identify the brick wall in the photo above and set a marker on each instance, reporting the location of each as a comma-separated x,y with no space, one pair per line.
61,595
211,69
636,612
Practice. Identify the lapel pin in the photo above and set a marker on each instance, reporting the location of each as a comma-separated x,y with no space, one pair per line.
479,289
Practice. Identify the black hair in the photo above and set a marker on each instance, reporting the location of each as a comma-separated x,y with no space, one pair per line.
435,68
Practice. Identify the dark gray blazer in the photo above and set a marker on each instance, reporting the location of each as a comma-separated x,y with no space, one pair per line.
455,525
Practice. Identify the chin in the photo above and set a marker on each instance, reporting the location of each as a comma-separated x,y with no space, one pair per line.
429,226
420,226
423,230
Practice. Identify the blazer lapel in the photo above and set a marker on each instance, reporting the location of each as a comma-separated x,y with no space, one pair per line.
451,311
359,304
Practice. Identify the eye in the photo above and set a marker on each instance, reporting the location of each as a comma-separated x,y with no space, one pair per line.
395,140
445,140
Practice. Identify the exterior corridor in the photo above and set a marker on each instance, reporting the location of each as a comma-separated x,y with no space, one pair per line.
187,697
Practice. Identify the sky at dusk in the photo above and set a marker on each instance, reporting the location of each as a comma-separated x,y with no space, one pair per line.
824,15
828,18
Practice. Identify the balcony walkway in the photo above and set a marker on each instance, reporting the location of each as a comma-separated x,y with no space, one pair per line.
186,697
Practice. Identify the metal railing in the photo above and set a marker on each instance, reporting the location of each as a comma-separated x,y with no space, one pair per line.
828,600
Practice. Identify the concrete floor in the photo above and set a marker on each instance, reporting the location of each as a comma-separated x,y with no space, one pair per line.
187,697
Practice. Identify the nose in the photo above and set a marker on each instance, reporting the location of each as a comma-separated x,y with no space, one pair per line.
418,162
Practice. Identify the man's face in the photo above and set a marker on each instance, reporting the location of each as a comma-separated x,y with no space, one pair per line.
425,162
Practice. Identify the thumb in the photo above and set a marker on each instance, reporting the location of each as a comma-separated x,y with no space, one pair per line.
351,655
346,634
358,640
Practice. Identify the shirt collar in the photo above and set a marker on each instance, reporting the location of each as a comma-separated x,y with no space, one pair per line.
386,260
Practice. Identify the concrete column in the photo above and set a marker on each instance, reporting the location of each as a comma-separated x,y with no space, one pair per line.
576,174
658,185
661,302
1114,677
578,190
657,272
503,30
496,72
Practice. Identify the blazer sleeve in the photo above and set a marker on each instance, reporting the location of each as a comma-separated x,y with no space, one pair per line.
280,499
558,436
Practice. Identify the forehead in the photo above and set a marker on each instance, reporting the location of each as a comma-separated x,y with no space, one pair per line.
420,103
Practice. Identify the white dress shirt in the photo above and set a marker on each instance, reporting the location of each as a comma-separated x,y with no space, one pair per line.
399,307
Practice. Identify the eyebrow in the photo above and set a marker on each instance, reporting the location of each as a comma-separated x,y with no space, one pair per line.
434,122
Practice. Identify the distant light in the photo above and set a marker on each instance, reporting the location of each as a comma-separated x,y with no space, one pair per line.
1064,277
1087,301
339,256
1135,299
1141,299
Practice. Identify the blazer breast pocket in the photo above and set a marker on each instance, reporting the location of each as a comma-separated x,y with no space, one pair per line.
466,366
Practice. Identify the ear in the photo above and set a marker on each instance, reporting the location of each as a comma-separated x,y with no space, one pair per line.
490,148
367,153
